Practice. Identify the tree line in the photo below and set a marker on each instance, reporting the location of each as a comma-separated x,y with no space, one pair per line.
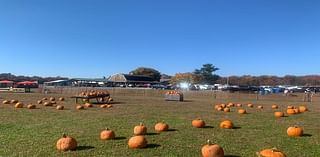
19,78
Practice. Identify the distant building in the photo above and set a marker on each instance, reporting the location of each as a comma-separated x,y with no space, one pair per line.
126,80
6,84
58,83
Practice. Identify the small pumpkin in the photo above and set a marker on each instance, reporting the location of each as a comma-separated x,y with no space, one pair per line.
226,109
79,107
260,107
137,142
279,114
226,124
274,106
19,105
87,105
296,110
161,126
223,105
109,106
6,102
291,111
47,104
107,134
61,99
212,150
14,101
103,106
53,102
250,105
242,111
44,99
271,153
31,106
290,107
140,129
60,107
66,143
230,104
294,131
52,99
239,105
220,108
39,102
110,99
303,109
198,123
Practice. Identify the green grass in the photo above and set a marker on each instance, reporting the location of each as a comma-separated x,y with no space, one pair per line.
26,132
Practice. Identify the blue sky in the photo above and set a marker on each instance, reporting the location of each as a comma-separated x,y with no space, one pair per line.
95,38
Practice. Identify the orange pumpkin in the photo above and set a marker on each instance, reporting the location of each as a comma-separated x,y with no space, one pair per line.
103,106
290,107
161,126
242,111
198,123
226,124
296,110
303,109
66,143
140,129
250,105
230,104
226,109
223,105
14,101
52,99
274,106
137,142
220,108
87,105
19,105
270,153
107,134
260,107
47,104
60,107
212,150
291,111
39,101
278,114
109,106
61,99
6,102
79,107
239,105
294,131
44,99
31,106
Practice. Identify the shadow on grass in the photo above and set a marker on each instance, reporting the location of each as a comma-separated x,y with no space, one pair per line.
306,135
186,101
152,133
85,147
208,127
232,156
120,138
152,146
169,130
236,127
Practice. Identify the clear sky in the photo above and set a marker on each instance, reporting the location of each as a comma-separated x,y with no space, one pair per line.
95,38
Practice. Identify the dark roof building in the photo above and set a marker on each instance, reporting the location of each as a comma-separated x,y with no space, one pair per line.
131,79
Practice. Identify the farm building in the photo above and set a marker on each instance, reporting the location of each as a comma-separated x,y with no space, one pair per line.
58,83
27,84
89,82
126,80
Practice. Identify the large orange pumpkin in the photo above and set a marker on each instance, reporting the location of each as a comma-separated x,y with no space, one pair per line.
137,142
294,131
291,111
198,123
278,114
140,129
212,150
161,126
66,143
303,109
242,111
107,134
226,124
270,153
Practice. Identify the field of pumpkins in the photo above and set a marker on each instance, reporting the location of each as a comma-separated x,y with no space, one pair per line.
34,124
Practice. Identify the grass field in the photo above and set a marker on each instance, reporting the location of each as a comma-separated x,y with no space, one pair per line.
25,132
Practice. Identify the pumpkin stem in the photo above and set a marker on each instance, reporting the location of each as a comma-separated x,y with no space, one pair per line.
107,128
274,149
209,142
141,124
64,135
